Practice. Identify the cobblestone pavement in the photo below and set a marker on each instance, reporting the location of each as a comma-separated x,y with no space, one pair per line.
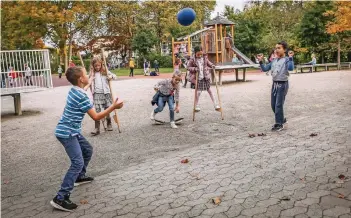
285,174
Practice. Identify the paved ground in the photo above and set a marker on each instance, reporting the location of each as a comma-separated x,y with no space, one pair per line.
139,174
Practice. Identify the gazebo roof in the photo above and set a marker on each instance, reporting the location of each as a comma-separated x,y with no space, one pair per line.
219,20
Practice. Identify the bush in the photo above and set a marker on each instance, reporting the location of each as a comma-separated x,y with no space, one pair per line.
163,61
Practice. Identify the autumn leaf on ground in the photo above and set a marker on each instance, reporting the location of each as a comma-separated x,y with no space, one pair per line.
184,161
342,177
216,200
313,134
83,201
252,135
341,196
302,179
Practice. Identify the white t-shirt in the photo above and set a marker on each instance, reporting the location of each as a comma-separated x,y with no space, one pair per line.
28,72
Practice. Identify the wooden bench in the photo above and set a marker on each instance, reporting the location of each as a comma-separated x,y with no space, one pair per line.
314,68
16,101
346,65
221,68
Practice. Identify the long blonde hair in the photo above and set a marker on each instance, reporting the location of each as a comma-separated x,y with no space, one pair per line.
95,60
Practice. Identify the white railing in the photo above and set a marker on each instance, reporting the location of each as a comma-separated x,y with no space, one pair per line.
25,71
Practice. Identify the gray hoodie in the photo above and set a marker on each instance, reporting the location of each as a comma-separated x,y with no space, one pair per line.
280,68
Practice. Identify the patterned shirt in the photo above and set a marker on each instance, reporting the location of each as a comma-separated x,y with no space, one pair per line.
78,103
166,88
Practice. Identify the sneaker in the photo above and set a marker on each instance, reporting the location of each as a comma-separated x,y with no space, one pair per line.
285,121
197,109
152,117
65,204
83,180
217,107
278,127
173,125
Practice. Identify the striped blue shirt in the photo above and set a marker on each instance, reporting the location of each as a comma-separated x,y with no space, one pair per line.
77,105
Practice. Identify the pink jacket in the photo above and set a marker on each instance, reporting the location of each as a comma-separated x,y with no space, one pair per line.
193,68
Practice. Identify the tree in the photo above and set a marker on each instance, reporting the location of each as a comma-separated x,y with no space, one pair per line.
312,33
143,41
340,26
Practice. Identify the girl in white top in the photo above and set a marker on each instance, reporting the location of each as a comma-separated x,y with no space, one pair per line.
101,91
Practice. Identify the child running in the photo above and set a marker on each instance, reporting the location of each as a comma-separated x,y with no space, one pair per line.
68,132
201,64
167,91
101,92
280,67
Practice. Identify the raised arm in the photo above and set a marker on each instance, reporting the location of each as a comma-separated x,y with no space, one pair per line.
265,67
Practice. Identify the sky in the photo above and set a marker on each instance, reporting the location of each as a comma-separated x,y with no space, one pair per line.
237,4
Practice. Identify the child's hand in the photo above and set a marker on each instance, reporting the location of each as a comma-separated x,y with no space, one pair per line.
291,53
259,57
177,109
91,79
118,104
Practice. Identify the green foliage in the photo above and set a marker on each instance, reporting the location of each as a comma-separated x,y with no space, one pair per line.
143,41
163,61
312,31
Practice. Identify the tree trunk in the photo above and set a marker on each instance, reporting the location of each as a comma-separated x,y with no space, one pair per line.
322,54
339,66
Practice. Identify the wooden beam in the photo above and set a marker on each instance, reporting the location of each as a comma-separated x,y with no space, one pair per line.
232,30
222,48
173,57
189,46
216,41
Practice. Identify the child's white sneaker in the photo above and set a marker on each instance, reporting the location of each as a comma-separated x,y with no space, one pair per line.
152,117
197,108
173,125
217,107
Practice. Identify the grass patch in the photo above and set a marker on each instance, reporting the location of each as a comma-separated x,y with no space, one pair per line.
125,71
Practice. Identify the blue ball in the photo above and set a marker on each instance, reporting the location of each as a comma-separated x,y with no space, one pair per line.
186,16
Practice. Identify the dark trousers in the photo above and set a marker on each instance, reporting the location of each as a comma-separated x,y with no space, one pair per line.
279,91
28,80
131,71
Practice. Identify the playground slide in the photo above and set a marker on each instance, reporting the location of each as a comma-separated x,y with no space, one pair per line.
242,56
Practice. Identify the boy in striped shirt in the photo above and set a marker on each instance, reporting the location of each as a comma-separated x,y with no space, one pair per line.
68,132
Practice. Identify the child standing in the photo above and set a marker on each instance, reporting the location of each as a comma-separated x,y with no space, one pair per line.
201,64
280,67
68,132
167,91
101,91
131,66
28,75
59,70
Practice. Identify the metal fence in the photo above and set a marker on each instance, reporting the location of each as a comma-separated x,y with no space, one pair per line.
25,71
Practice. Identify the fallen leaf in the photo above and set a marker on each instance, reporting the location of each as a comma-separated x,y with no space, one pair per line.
285,199
83,201
302,179
6,182
216,200
341,196
313,134
252,135
342,177
185,161
262,134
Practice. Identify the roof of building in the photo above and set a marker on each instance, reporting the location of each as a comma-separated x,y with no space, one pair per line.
219,20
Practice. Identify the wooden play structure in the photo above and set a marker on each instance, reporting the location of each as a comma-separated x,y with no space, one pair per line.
217,41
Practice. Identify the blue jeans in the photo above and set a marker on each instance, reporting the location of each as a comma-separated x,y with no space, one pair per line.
79,152
279,91
161,105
